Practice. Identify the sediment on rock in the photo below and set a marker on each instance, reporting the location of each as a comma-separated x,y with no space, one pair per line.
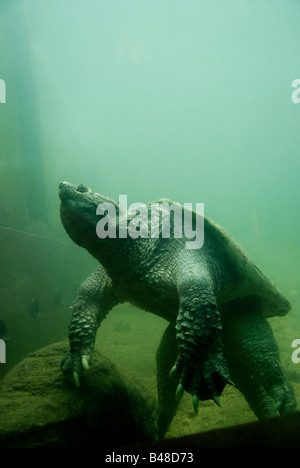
40,408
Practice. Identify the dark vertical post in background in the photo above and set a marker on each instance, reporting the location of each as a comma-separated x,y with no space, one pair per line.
22,90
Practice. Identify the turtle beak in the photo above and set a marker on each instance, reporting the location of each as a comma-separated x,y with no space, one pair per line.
65,190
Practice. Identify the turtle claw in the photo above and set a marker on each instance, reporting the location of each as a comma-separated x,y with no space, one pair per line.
73,365
84,363
195,404
277,406
279,395
216,400
76,379
173,371
179,392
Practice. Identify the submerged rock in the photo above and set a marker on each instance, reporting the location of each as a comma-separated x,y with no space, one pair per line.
39,408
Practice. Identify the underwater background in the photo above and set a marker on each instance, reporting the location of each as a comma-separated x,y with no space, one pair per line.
188,100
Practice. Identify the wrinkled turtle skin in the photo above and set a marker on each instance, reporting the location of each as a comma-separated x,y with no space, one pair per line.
215,300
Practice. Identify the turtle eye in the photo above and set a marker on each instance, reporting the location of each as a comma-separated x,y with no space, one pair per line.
82,188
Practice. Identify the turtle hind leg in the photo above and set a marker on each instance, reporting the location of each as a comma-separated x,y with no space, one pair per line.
253,358
257,398
166,385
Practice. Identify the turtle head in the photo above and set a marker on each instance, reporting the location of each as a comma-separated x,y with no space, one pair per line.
79,216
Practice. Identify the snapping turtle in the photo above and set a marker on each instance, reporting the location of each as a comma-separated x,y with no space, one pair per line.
215,299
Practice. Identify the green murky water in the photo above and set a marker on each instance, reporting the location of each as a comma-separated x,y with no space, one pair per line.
189,100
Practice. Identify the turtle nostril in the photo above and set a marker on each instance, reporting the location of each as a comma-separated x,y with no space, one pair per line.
82,188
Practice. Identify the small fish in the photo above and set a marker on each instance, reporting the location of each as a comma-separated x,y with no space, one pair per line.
3,330
35,308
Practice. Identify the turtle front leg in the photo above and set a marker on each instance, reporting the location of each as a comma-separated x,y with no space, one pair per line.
200,361
93,302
